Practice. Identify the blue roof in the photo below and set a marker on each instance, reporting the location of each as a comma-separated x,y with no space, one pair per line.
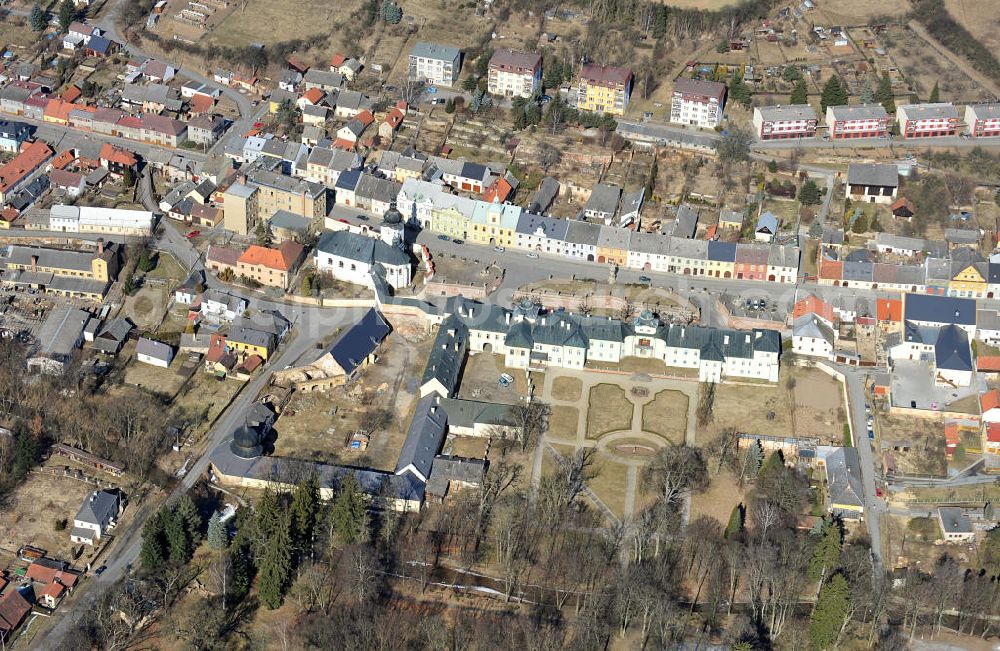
360,341
722,251
768,221
348,180
940,309
952,350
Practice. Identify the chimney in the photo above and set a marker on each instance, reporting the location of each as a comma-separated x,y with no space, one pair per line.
100,246
434,409
456,346
508,318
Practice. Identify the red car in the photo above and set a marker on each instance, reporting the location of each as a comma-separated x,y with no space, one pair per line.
343,220
193,234
878,492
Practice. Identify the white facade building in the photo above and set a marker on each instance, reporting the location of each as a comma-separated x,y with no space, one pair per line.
435,63
698,103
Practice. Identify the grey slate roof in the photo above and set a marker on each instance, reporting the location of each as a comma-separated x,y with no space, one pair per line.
962,235
99,507
953,520
424,437
612,237
243,334
435,51
811,326
722,251
530,224
445,360
53,258
546,193
873,174
585,233
686,222
603,199
468,413
360,341
843,476
449,468
155,349
360,248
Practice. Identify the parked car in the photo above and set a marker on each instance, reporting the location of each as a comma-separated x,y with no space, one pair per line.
499,249
458,241
533,255
646,279
363,218
443,238
193,234
99,571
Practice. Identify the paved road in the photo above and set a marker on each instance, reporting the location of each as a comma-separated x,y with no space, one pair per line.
874,506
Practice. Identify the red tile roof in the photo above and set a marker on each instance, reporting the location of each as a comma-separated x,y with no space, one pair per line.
343,143
201,103
951,434
498,191
216,348
252,363
282,258
989,400
44,572
30,159
297,64
394,118
605,75
63,159
889,309
65,179
993,432
13,609
314,95
337,60
988,363
8,215
163,124
224,255
813,305
365,117
72,93
113,154
58,109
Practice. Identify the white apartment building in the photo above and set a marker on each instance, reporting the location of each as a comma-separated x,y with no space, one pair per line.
515,74
781,122
435,63
927,120
859,121
698,103
983,120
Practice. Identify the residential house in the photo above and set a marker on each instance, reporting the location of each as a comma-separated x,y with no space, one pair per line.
273,267
220,306
99,513
206,129
154,353
783,122
989,406
247,341
927,120
434,63
845,493
187,292
545,195
17,171
603,203
858,121
13,135
323,80
872,183
112,335
82,274
731,219
514,74
766,228
697,102
956,527
983,120
604,89
813,337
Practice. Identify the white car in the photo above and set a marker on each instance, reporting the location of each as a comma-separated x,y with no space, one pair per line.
533,256
499,249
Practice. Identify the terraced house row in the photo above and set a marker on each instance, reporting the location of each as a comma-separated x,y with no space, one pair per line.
433,208
907,264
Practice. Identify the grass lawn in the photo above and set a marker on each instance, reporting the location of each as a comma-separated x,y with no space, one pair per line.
609,484
165,381
204,398
718,501
167,268
566,388
666,415
563,421
608,410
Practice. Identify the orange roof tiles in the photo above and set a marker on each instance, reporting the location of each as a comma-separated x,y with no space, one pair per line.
394,118
988,363
813,305
30,159
989,400
8,215
365,117
343,143
63,159
889,309
951,434
201,103
337,60
499,191
72,93
113,154
282,258
314,95
59,110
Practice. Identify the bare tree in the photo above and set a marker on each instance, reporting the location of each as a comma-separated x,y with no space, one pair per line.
548,156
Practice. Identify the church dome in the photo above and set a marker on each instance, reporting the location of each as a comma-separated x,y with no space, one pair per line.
246,442
392,216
